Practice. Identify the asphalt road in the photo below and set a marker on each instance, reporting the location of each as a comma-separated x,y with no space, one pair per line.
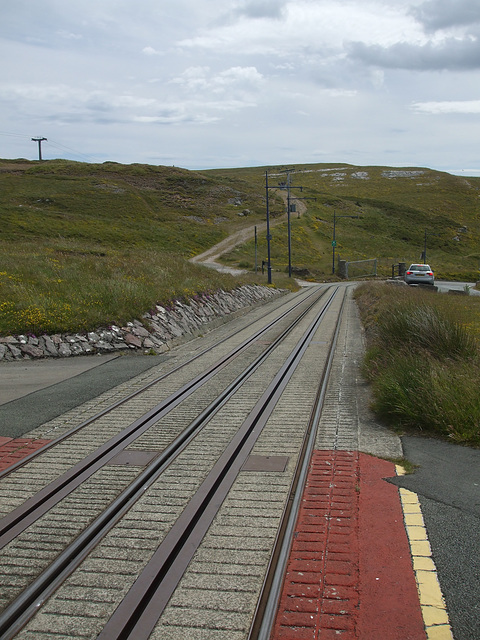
447,481
35,391
445,286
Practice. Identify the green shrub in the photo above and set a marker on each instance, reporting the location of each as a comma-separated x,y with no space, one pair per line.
425,327
423,360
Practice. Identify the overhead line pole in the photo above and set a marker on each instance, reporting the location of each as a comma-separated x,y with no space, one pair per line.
288,187
269,237
334,241
39,140
425,244
283,185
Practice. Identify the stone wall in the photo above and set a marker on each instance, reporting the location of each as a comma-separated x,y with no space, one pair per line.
157,332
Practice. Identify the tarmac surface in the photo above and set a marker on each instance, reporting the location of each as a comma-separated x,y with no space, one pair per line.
33,392
445,486
447,482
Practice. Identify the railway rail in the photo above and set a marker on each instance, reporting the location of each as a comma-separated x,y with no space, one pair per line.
178,500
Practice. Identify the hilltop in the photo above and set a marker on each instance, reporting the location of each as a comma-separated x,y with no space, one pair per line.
86,244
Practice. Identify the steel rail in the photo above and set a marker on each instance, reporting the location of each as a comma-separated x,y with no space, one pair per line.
18,612
134,394
23,516
264,617
137,614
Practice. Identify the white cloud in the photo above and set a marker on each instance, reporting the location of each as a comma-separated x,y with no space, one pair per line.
236,81
150,51
69,36
240,74
466,106
314,26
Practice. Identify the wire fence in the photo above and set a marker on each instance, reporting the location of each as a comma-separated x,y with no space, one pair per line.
357,268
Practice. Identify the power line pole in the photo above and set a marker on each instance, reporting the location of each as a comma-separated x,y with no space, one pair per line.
269,236
39,140
334,241
288,187
282,185
424,254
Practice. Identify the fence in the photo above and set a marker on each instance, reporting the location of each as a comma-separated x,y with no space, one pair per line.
398,270
357,268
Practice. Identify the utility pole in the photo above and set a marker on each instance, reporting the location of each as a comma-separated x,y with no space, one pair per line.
283,185
424,255
269,237
39,140
334,240
288,186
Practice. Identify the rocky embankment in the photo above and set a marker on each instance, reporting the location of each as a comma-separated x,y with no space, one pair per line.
155,333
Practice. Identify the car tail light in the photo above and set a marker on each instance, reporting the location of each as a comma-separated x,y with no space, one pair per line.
409,273
429,273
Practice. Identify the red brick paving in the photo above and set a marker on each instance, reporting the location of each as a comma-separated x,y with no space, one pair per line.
349,543
319,591
14,449
390,608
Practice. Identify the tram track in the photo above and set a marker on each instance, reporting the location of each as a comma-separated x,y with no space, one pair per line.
91,435
144,388
188,521
50,495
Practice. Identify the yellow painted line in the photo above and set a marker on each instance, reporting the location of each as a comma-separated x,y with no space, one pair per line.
432,603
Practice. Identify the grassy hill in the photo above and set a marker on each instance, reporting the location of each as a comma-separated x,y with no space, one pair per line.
90,244
395,207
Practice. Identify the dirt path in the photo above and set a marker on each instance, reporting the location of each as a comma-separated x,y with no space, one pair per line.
210,256
227,244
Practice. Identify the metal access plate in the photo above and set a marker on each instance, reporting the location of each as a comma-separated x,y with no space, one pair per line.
265,463
133,458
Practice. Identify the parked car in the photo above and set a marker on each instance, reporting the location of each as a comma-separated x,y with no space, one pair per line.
419,274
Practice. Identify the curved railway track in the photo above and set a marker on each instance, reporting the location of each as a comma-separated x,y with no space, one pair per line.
186,488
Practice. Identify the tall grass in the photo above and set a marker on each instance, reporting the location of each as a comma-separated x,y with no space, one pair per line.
423,359
69,286
430,396
424,328
43,290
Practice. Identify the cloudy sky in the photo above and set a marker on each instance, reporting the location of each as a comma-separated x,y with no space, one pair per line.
231,83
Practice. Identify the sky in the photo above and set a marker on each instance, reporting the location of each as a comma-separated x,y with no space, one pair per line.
204,84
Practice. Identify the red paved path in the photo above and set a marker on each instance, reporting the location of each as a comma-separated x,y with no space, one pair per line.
350,573
14,449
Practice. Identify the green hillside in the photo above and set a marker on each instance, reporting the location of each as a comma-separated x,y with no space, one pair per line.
84,245
395,207
89,244
115,205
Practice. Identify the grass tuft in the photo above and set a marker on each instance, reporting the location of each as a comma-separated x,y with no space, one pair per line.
426,328
423,360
